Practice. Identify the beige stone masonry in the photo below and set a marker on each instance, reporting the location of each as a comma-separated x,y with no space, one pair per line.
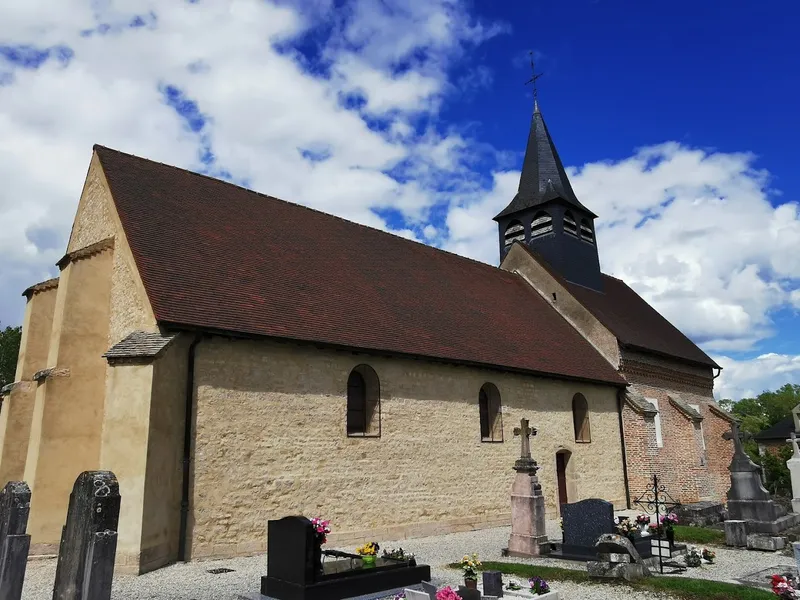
270,441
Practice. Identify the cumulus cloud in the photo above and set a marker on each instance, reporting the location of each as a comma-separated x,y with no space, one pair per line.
336,107
748,378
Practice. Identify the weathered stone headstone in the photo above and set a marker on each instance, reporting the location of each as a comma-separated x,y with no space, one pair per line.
584,522
748,500
15,505
85,566
493,583
796,548
794,471
528,534
617,558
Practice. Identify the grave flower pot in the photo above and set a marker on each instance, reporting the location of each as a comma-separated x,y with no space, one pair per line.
471,584
368,560
671,536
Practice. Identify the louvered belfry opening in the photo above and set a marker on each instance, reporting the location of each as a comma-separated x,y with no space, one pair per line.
542,224
514,232
570,226
586,231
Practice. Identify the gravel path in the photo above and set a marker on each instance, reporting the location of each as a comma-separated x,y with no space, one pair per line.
192,581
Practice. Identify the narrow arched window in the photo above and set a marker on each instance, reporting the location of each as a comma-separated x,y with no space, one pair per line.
580,419
490,414
514,232
570,225
363,403
586,231
542,223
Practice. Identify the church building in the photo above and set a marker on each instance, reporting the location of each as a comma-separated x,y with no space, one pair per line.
235,358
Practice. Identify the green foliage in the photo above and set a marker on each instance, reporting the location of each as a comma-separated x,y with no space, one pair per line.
766,409
702,536
776,472
678,587
9,351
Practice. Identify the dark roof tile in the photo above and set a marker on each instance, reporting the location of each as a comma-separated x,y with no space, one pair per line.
217,256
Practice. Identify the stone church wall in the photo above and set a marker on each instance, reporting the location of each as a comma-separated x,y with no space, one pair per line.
270,441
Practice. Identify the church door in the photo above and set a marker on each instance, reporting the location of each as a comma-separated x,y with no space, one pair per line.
562,458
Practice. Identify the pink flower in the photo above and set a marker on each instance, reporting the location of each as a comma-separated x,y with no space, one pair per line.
447,593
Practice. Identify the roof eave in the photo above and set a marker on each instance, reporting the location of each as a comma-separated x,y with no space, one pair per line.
618,382
711,365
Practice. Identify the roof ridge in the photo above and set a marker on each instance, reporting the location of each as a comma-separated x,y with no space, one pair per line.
314,210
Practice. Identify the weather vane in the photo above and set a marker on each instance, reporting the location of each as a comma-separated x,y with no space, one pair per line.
533,79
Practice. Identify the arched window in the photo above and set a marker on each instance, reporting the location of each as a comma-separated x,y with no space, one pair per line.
542,223
363,403
570,226
491,418
580,418
514,232
586,230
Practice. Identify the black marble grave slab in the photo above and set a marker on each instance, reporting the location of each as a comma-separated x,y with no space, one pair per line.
296,571
583,523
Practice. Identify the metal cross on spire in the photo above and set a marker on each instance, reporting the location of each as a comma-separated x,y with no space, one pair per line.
533,79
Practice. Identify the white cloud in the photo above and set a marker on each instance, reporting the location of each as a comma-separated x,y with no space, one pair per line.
748,378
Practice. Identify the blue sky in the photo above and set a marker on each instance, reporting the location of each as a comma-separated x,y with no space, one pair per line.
677,123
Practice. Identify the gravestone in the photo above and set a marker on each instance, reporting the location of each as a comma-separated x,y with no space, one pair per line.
296,570
528,533
428,587
747,499
584,522
793,465
88,546
493,584
466,593
15,504
617,558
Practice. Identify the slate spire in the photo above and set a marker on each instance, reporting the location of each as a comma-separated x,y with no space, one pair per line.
543,176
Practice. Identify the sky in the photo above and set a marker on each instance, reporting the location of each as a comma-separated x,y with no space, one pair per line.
677,122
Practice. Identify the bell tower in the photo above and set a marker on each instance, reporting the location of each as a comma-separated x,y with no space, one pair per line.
546,215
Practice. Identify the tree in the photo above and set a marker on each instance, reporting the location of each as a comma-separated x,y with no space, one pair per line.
766,409
10,338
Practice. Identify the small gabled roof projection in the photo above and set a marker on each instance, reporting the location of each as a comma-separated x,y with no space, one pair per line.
218,257
543,176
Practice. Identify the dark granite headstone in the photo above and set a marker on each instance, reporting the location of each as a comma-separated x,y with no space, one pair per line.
468,593
428,587
15,504
85,566
584,522
493,583
296,571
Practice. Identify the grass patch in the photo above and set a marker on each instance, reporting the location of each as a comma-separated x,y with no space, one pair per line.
681,587
699,535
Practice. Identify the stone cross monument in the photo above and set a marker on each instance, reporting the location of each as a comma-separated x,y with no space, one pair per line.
528,535
794,470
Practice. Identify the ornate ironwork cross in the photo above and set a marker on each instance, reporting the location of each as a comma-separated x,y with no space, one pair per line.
657,500
533,79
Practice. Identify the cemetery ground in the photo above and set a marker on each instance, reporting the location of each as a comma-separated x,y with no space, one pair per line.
193,581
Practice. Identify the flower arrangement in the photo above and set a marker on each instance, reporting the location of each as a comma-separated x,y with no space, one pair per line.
470,566
538,586
513,585
642,519
657,530
692,557
709,555
447,593
400,596
321,529
783,588
397,554
368,549
669,520
625,527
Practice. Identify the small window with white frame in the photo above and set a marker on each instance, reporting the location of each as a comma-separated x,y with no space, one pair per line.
657,419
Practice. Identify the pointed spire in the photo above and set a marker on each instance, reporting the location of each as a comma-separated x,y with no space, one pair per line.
543,176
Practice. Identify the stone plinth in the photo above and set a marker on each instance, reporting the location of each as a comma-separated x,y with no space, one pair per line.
736,533
528,534
794,470
765,542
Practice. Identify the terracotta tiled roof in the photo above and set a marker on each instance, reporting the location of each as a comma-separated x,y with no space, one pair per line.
635,323
219,257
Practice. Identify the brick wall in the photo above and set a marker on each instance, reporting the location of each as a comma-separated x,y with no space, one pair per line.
689,471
